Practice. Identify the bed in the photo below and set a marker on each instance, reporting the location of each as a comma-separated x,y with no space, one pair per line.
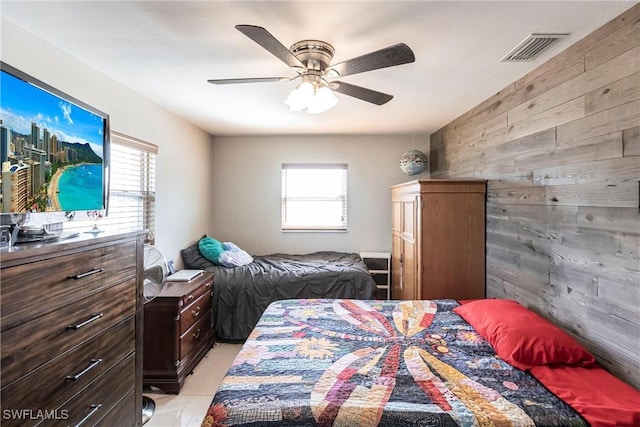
340,362
242,293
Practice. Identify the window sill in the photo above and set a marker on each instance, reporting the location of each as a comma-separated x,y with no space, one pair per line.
313,230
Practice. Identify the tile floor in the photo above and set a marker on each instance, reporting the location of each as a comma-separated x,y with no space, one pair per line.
188,408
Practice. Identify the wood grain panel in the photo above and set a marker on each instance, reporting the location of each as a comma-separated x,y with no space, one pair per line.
474,131
607,325
620,194
619,118
614,94
515,179
610,219
609,72
563,218
631,142
500,288
606,147
512,196
563,113
602,171
616,43
543,78
571,278
534,214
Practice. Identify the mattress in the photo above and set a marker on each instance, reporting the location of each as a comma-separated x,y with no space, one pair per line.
241,294
389,363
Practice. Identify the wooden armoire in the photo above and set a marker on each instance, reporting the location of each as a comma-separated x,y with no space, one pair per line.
438,239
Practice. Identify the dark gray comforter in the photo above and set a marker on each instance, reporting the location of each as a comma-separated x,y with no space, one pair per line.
241,294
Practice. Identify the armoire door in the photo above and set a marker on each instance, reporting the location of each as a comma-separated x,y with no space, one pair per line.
409,248
404,265
396,250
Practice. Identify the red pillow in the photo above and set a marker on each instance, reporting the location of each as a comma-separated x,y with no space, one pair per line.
521,337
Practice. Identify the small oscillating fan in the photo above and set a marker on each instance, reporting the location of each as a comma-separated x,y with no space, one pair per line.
155,275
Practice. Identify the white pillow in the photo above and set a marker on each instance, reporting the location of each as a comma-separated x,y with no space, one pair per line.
233,256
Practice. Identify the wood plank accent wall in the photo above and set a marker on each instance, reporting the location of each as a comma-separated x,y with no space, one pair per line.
561,150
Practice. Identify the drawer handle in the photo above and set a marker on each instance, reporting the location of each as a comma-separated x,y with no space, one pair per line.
196,334
86,273
196,312
92,364
190,297
94,408
93,318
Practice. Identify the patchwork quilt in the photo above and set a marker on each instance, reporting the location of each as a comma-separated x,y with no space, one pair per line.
364,363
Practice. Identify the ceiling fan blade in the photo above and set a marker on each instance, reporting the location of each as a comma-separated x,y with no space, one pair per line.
388,57
362,93
249,80
270,43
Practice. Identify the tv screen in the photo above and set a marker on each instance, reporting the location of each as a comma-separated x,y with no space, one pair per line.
54,149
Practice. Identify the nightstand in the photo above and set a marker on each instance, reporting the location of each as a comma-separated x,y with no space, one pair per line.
178,332
379,265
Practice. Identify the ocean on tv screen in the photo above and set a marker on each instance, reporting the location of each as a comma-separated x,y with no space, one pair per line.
80,187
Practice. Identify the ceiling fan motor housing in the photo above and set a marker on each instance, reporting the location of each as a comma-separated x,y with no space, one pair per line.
314,54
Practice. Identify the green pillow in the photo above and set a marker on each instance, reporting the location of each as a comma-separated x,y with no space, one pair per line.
211,249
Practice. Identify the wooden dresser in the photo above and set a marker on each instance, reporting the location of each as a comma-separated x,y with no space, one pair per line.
178,332
438,239
71,332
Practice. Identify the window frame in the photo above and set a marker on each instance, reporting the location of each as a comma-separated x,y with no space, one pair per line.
146,191
343,197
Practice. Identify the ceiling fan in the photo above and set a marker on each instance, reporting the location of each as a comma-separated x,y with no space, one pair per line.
311,60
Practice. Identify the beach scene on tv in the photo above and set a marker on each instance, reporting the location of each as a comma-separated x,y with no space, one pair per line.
51,151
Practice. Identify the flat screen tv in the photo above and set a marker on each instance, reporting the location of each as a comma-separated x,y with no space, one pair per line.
54,149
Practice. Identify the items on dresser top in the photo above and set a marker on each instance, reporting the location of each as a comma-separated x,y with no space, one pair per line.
71,335
184,275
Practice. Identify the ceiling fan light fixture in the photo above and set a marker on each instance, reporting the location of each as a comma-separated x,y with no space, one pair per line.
314,98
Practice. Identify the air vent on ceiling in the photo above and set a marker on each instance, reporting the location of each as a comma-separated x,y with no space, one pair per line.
531,47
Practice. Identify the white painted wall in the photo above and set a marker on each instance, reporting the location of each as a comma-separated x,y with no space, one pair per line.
247,189
183,185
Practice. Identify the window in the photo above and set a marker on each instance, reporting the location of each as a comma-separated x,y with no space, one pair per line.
131,204
314,197
132,188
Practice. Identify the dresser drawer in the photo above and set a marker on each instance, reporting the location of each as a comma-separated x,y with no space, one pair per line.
194,312
53,384
62,280
100,397
124,414
198,332
31,344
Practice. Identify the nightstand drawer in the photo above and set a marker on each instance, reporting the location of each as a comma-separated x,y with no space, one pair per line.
200,330
57,332
62,280
190,297
194,312
58,381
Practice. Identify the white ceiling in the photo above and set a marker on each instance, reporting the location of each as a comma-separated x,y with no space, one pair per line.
166,51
